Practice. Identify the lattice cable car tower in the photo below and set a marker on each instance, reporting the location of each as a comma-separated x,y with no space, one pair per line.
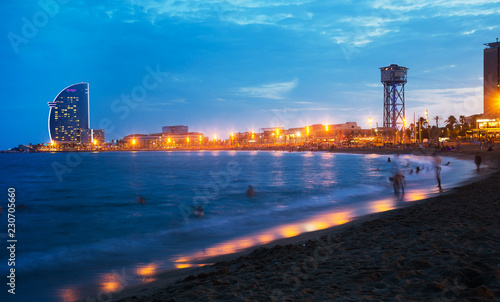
394,79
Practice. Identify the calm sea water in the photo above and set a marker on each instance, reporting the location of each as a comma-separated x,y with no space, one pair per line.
82,232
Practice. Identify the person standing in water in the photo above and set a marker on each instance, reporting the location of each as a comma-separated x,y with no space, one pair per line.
437,167
141,199
250,191
477,160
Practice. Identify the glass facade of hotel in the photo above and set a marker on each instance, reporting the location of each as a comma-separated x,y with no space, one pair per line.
69,114
492,79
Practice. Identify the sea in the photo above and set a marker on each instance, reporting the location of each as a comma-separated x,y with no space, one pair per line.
82,234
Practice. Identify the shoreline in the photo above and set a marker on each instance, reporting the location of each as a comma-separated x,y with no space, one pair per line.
172,279
410,148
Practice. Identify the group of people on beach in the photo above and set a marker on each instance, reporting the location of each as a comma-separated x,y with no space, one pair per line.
398,180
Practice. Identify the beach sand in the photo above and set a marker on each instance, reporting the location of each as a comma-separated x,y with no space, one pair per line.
445,248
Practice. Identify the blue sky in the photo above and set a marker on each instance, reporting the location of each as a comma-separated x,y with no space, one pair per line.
222,66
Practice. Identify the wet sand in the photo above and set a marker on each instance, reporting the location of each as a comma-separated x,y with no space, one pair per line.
445,248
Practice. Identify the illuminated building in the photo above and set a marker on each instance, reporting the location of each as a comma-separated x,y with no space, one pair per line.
98,135
88,136
69,113
154,140
486,129
491,80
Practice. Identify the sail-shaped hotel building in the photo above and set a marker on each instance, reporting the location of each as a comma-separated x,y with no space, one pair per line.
69,119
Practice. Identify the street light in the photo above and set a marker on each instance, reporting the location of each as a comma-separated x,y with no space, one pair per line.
428,127
404,127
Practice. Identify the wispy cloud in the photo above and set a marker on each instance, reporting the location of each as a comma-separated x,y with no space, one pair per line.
440,68
473,31
241,12
407,6
305,109
445,102
258,19
275,91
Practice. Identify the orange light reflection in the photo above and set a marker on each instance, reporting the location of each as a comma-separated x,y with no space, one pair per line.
183,265
416,195
111,286
285,231
289,231
382,205
147,270
110,283
266,238
68,295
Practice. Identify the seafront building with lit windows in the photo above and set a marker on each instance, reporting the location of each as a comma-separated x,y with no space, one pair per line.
317,133
69,117
491,79
487,127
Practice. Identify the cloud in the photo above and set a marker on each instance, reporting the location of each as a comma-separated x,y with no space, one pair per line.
242,12
276,91
445,102
440,68
407,6
305,109
473,31
258,19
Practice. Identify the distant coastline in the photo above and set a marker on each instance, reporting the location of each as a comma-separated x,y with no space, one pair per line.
416,148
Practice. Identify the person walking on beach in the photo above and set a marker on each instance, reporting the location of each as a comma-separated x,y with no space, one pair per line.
398,181
477,160
437,167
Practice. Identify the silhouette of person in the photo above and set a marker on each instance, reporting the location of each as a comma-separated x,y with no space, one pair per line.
477,160
437,167
398,181
141,199
250,191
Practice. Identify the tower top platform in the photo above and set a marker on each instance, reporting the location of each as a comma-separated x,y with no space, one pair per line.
493,44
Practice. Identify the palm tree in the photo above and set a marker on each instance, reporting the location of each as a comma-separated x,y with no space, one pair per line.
437,118
451,121
461,119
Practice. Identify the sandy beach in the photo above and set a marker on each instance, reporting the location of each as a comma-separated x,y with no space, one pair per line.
445,248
